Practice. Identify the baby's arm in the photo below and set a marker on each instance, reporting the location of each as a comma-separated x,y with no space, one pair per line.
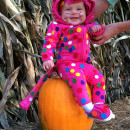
52,38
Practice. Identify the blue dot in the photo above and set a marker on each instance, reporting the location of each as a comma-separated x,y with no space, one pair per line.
102,96
90,115
57,28
62,44
53,50
82,66
59,57
73,47
82,82
96,22
44,79
83,101
45,41
89,54
97,93
60,49
103,115
65,39
100,72
67,69
61,35
70,50
88,59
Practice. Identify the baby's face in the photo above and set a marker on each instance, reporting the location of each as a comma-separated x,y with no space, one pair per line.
74,14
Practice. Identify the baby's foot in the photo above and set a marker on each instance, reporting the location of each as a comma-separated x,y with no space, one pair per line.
24,104
101,112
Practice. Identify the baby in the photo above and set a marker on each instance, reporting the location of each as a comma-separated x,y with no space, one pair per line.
70,34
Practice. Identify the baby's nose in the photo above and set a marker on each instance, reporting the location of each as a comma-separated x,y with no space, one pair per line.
74,12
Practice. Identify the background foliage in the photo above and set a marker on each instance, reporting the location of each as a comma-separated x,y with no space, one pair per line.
23,26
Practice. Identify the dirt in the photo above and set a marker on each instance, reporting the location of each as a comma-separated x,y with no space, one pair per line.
121,108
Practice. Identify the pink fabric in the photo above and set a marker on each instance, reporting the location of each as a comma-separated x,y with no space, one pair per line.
73,45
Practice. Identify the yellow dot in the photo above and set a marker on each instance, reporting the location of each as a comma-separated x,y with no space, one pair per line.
87,85
72,70
53,31
104,87
62,3
77,74
62,38
87,35
78,29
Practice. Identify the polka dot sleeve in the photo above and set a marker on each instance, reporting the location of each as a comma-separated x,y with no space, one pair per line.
50,42
96,33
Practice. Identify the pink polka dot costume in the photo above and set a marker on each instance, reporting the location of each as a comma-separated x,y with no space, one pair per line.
73,61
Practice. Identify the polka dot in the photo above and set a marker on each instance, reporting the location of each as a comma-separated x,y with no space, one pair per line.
45,56
48,43
94,113
48,34
96,22
44,50
89,30
79,29
46,76
104,110
74,80
87,35
68,36
87,42
73,47
32,93
49,46
99,85
44,41
94,70
90,115
71,31
53,50
72,70
57,28
97,93
67,69
82,66
66,81
79,40
104,87
70,42
73,64
102,96
100,72
62,44
30,99
51,40
60,49
103,116
65,39
71,26
88,59
77,74
103,80
82,82
51,57
55,22
75,55
83,101
79,90
102,83
70,50
61,75
53,31
75,37
59,57
44,80
66,47
96,77
88,54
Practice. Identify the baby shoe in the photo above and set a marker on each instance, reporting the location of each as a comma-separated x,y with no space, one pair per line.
101,112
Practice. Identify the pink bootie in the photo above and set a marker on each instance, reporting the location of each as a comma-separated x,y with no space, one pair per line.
101,112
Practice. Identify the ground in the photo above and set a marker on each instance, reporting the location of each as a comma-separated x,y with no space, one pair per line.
121,108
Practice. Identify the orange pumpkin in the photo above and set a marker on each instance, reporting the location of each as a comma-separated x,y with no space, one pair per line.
58,109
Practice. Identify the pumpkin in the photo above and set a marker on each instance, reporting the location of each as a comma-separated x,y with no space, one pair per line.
58,109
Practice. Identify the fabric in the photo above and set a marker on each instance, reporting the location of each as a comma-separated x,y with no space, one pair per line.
112,3
73,45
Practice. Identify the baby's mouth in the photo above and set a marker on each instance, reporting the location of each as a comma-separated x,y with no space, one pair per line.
74,18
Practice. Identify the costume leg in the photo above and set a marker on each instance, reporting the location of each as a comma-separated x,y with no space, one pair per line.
75,77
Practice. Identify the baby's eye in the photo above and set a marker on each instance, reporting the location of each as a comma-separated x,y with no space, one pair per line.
79,9
68,9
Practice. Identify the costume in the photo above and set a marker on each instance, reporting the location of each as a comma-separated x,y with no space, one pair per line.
74,62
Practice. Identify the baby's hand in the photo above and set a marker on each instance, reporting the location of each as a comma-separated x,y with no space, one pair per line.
95,28
49,64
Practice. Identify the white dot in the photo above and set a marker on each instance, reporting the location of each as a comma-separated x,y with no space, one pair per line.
49,46
30,99
61,75
55,22
51,57
96,76
71,26
87,41
70,42
73,64
49,34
